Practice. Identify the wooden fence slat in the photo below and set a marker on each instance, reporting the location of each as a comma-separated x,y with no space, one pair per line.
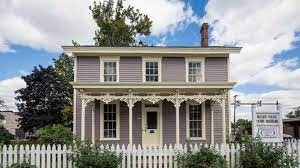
48,156
10,149
4,153
133,156
43,156
59,156
64,156
38,156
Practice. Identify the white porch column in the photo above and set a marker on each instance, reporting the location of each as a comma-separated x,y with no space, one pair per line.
177,105
130,106
223,121
93,122
212,127
83,105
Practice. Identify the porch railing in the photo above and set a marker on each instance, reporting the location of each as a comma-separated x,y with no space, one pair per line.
59,156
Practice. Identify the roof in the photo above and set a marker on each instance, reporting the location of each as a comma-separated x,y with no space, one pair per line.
176,50
291,119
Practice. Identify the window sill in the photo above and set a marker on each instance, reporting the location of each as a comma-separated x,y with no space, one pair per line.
109,139
197,139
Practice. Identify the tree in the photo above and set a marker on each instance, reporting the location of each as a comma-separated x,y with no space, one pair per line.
55,134
294,113
119,26
5,135
63,66
41,102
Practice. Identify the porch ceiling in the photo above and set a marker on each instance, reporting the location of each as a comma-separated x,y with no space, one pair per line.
153,87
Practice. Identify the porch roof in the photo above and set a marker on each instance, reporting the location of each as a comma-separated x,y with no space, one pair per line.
152,87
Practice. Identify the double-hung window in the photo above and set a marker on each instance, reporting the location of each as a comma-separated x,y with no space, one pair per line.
151,70
109,69
194,70
109,117
195,117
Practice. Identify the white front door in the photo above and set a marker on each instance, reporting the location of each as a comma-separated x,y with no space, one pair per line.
151,124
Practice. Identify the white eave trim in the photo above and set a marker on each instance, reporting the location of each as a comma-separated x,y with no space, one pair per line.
82,50
226,85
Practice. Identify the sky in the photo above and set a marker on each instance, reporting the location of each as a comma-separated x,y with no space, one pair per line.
267,69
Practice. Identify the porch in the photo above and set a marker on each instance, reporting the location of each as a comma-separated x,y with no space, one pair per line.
151,116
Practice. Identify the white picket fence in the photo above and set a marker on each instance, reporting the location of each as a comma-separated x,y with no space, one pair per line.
58,156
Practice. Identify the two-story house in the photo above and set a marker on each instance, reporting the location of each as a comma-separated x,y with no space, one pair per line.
152,95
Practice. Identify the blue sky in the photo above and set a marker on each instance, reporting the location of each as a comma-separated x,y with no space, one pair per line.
268,68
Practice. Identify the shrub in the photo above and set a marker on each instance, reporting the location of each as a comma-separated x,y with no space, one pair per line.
22,165
203,158
88,155
255,153
5,135
55,134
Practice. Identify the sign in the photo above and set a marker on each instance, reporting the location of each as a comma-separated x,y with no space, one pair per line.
267,124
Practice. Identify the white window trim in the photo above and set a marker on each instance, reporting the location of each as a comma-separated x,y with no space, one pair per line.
188,121
144,68
109,59
102,121
187,61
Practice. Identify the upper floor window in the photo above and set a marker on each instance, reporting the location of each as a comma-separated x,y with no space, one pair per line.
109,69
110,72
194,70
151,70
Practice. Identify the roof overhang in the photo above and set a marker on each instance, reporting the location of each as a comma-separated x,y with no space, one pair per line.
138,51
153,87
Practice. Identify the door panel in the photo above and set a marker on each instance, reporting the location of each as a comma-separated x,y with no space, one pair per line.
151,125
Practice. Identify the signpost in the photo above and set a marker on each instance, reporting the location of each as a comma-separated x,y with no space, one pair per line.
267,123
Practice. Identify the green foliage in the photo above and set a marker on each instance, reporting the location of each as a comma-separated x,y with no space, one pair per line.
41,102
55,134
22,165
5,135
257,154
203,158
88,155
119,26
295,113
63,66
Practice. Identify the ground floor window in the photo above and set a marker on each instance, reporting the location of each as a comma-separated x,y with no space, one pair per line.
195,118
109,117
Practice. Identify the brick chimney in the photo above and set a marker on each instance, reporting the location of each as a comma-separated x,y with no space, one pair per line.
204,35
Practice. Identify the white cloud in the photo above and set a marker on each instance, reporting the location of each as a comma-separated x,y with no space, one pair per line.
263,29
50,24
280,74
7,91
168,16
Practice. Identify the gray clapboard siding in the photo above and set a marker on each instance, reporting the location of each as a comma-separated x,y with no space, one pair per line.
130,69
88,69
216,69
173,69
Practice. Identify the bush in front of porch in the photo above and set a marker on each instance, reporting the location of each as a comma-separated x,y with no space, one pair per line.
203,158
255,153
87,154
